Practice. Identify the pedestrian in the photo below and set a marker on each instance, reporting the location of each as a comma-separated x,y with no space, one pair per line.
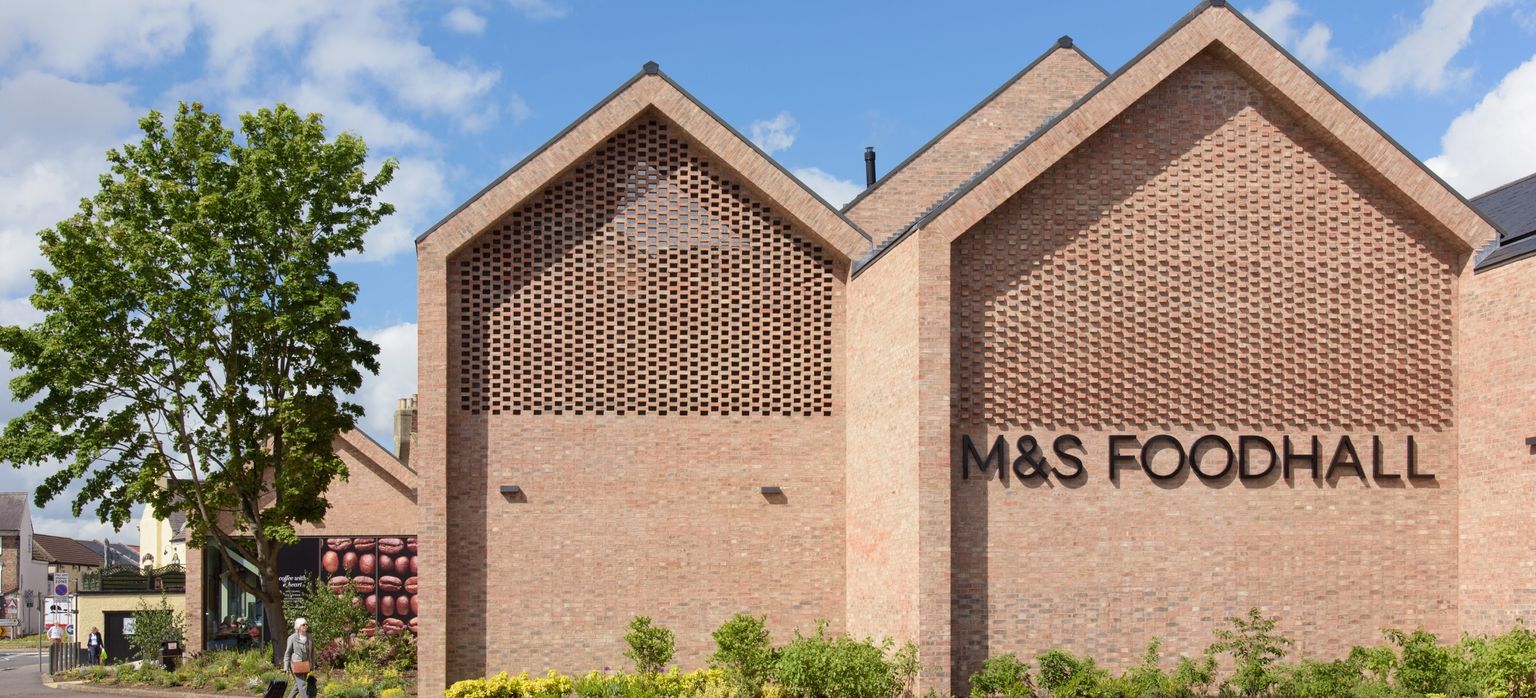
56,633
300,660
94,645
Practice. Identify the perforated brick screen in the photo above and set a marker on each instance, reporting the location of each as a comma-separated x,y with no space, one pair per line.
1205,259
646,281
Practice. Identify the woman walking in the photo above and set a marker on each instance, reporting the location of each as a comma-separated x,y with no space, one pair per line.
93,643
299,659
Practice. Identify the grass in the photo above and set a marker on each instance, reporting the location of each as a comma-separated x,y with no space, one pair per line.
21,643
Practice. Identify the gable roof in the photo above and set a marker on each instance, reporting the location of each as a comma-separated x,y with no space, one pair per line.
13,510
121,553
382,458
650,89
1211,23
1511,206
63,550
1034,95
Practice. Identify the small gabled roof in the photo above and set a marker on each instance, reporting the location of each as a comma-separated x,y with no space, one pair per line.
1042,88
13,510
382,458
650,89
1211,23
1512,207
63,550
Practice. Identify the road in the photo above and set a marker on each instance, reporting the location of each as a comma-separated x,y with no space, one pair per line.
19,678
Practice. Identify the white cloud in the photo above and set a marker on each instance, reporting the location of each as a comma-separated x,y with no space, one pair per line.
1421,59
75,38
1495,141
539,9
1280,19
836,191
776,134
419,193
396,379
54,133
375,48
464,21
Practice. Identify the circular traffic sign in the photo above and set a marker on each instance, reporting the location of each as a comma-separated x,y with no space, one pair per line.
61,590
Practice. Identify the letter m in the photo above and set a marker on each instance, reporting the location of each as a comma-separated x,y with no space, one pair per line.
969,453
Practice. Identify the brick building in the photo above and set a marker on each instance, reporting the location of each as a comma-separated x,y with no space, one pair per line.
372,516
1112,357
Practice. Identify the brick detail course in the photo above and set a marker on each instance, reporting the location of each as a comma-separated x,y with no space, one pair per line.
652,508
1032,99
1206,260
1126,284
1497,411
646,265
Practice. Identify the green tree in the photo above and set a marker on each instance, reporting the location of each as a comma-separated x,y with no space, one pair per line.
194,349
744,649
651,646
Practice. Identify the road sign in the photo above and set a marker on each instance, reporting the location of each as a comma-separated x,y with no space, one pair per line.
9,623
61,589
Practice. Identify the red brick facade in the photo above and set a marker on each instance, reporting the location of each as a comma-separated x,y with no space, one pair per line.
648,321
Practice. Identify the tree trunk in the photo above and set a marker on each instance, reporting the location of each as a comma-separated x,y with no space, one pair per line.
277,627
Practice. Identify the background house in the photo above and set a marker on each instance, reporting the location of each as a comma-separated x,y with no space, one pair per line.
20,572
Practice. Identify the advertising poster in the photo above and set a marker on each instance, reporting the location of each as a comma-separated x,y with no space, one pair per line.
381,569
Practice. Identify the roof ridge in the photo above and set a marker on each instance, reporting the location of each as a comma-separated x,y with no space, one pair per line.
1178,26
1503,186
650,69
1063,43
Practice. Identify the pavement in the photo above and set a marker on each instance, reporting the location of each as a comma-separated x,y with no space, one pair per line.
21,678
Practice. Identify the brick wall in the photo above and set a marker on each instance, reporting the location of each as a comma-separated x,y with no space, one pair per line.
883,448
1498,518
1026,103
643,359
1206,262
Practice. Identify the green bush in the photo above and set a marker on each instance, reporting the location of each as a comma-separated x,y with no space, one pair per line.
744,651
1255,650
1066,675
153,625
650,646
333,618
1003,676
823,666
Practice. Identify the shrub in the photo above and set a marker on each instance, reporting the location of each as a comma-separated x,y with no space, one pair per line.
744,651
1313,679
346,689
393,693
650,646
1003,676
551,685
1255,650
1066,675
822,666
155,625
333,618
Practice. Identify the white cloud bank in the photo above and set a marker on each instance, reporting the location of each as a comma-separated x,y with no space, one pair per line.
396,379
1421,58
1495,141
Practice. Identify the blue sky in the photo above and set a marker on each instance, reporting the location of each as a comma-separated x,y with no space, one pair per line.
459,91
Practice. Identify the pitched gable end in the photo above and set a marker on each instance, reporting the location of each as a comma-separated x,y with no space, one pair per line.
1212,26
648,92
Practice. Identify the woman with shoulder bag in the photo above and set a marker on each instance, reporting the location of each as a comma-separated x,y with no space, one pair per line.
299,659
